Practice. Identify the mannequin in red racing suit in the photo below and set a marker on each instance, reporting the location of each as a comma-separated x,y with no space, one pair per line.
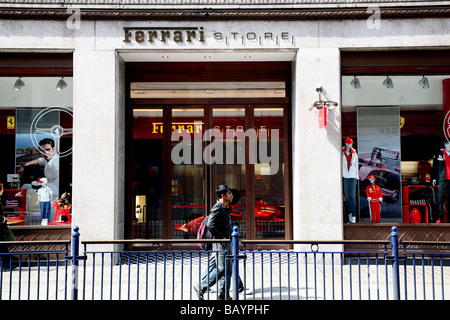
374,197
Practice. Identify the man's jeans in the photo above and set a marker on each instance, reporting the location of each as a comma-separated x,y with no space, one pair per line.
211,266
218,271
350,195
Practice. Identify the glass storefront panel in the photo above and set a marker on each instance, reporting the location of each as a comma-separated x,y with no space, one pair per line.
229,124
187,187
379,146
269,174
203,158
225,98
419,126
36,131
147,191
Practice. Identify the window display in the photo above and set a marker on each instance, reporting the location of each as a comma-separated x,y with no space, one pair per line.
36,133
397,126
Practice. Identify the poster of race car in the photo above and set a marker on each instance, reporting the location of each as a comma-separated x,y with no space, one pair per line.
378,130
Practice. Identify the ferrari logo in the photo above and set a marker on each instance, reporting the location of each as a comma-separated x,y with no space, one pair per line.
11,122
402,122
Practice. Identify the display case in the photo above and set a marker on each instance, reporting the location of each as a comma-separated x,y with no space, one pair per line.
419,202
14,205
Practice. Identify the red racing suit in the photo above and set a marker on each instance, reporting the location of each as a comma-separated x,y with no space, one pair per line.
374,196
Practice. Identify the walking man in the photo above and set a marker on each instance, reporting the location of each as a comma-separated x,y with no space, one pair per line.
219,225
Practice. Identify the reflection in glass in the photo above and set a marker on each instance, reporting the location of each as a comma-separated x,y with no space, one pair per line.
232,173
269,188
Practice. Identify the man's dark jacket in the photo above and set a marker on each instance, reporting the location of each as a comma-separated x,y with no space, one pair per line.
219,223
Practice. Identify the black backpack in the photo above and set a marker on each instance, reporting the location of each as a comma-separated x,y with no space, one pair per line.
203,233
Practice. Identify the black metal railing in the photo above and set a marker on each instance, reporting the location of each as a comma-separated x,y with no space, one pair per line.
318,270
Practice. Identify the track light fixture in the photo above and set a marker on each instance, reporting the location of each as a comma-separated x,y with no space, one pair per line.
424,83
61,84
388,83
19,84
355,83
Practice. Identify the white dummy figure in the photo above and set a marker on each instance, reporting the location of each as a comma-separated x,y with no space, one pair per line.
45,195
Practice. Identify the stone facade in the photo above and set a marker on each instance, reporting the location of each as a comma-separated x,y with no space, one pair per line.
100,51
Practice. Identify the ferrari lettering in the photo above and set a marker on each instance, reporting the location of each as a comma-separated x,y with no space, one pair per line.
226,147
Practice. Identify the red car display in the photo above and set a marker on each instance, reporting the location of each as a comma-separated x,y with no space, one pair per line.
263,212
385,166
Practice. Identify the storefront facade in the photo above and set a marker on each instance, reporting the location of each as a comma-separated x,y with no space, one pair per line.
139,71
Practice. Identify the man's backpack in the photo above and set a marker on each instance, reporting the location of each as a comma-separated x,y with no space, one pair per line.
203,233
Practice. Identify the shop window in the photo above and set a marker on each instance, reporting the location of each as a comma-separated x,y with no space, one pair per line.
36,134
396,123
183,177
228,106
270,178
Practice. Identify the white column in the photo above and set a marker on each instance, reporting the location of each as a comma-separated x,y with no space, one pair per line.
317,184
98,145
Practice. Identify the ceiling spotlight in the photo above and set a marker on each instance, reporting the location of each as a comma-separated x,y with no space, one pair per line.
424,83
19,84
388,83
355,83
61,84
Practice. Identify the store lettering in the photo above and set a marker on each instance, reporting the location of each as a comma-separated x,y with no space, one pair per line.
164,35
157,127
222,151
197,127
251,36
187,35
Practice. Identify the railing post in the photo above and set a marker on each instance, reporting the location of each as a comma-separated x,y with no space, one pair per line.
395,266
235,270
75,251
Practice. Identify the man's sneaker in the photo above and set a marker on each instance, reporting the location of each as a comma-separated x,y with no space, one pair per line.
247,291
199,293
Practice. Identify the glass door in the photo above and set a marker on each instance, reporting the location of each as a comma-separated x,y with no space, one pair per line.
269,175
187,182
147,172
175,171
229,152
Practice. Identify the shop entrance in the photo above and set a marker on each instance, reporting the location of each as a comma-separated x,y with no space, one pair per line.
183,179
178,152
